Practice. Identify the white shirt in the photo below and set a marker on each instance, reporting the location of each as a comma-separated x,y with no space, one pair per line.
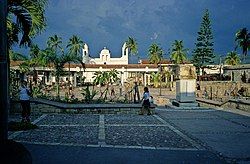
146,95
23,94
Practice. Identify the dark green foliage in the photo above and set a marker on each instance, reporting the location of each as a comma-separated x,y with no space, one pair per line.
26,18
155,53
19,126
37,90
89,95
16,56
243,40
178,52
203,54
132,46
105,78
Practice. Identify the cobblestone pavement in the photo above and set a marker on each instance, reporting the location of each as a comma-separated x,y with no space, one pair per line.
222,133
128,130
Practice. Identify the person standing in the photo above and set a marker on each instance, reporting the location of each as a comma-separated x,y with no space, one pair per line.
145,101
70,88
24,96
112,91
120,88
136,93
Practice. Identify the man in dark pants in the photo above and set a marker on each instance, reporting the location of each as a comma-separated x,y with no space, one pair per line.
136,93
24,93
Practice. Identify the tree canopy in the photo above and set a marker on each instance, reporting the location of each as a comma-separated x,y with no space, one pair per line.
204,52
155,53
178,53
25,18
232,58
132,46
242,38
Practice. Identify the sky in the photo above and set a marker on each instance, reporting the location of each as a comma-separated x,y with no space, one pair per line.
108,23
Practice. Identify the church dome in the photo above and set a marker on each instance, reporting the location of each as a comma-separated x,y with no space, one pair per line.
105,51
105,54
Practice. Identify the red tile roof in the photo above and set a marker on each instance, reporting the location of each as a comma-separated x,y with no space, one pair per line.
164,61
74,65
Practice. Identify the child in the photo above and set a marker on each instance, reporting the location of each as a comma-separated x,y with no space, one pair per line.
151,100
145,101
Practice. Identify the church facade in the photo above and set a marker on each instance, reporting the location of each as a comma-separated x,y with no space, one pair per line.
105,56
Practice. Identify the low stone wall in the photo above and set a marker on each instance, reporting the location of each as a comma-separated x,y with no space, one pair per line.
240,104
221,90
44,108
243,105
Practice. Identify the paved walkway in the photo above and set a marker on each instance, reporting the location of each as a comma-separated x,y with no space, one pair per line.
170,136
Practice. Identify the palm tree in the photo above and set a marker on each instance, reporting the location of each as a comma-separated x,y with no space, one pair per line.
75,45
132,46
178,53
58,62
113,76
26,17
55,42
167,76
35,58
97,78
105,78
156,78
242,38
27,23
101,78
232,58
16,56
24,67
155,54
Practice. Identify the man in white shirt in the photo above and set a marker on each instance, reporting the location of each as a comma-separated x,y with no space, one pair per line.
24,93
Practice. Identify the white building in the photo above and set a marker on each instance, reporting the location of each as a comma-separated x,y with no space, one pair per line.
102,64
105,56
139,72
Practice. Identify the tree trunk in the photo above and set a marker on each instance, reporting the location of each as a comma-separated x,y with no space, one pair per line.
35,75
4,89
69,80
57,88
106,92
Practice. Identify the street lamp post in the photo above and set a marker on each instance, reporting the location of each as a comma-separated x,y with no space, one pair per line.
4,88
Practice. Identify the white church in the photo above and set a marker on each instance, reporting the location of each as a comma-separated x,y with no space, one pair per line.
105,56
106,62
140,72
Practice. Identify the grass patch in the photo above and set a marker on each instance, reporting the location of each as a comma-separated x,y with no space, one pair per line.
20,126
